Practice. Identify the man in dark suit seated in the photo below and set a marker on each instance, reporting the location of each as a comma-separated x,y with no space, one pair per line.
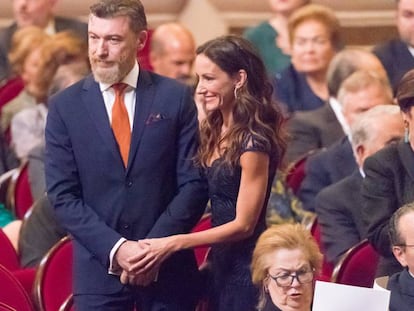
38,233
397,55
358,93
338,206
319,128
34,13
401,284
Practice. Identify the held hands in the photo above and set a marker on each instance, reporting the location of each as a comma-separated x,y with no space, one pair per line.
140,261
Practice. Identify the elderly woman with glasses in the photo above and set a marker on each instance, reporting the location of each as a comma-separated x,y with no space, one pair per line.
285,261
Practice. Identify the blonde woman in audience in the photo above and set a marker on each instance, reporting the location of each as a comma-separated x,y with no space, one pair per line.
28,125
271,36
39,13
285,262
24,42
314,34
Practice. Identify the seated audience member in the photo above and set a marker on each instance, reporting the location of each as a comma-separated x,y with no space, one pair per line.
172,52
338,206
65,76
28,125
24,41
314,34
320,128
39,13
358,93
8,159
285,262
397,54
389,181
38,233
401,284
271,38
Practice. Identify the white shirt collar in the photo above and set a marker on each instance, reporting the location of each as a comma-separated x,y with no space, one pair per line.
131,79
411,50
337,109
50,27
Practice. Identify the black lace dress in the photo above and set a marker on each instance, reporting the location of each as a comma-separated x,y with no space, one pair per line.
231,287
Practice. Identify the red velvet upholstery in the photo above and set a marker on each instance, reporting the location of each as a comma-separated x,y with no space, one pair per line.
10,90
67,305
202,251
53,283
8,255
296,172
12,292
10,260
26,277
357,266
327,267
144,55
6,307
19,194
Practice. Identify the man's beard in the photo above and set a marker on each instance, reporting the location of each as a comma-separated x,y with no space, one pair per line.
109,75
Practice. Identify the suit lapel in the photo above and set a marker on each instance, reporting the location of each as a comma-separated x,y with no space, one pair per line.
145,96
92,97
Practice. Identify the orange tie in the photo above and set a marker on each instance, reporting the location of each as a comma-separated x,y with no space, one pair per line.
120,122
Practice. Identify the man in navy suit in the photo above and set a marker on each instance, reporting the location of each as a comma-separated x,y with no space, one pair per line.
401,284
397,55
109,199
358,93
34,13
339,205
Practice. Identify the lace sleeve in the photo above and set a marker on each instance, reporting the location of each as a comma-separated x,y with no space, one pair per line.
255,143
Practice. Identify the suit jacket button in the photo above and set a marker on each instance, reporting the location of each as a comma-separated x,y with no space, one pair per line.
129,184
126,226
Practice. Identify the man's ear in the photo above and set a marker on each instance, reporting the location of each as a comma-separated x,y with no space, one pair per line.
359,152
399,254
141,39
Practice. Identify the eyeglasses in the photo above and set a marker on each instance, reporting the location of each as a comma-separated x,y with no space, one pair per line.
286,280
405,245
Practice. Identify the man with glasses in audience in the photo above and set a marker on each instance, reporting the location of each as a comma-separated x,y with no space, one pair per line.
401,233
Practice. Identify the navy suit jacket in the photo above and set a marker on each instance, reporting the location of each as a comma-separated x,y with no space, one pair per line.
338,208
61,24
310,130
388,185
401,286
98,201
396,59
325,168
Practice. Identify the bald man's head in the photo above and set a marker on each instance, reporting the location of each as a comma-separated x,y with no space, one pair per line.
173,51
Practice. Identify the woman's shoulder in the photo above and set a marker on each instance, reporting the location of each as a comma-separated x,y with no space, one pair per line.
256,142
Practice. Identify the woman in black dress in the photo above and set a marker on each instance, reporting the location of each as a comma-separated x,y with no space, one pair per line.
241,146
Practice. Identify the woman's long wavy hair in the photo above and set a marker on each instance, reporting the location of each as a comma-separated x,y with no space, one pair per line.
255,112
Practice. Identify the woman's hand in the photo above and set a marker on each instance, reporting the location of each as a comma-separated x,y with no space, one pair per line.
158,250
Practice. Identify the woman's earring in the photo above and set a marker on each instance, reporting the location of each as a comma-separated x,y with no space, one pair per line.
406,132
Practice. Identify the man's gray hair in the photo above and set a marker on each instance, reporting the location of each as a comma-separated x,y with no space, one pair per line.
365,124
130,8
